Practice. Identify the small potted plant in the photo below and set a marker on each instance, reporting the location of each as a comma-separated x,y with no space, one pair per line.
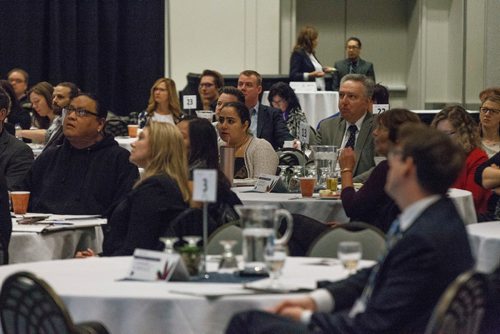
191,255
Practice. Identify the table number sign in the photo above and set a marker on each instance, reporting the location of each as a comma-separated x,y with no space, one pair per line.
189,101
379,108
205,185
304,133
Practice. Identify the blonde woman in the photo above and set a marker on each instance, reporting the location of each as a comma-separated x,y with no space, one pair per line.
156,199
163,104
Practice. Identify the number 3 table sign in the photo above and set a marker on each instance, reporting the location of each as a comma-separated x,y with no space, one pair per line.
205,190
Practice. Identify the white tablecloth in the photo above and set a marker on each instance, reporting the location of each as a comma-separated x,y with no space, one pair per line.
332,210
91,291
485,243
125,141
316,105
323,210
32,246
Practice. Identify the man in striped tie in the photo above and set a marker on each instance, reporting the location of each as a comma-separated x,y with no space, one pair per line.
427,249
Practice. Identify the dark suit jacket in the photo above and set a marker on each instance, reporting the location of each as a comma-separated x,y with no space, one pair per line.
5,221
271,126
342,67
15,159
300,63
411,279
331,132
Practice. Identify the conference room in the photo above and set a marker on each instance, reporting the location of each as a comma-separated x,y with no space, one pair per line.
136,170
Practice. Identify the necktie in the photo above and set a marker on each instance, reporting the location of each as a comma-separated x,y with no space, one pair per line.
352,67
352,136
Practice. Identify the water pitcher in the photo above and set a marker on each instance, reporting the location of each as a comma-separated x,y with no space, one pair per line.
260,224
325,159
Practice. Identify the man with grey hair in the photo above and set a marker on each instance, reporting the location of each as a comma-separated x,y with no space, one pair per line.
355,125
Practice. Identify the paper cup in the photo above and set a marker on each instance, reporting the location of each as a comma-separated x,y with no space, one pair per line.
132,130
207,114
307,186
20,200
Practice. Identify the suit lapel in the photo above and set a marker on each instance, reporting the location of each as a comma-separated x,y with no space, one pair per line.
4,139
338,136
364,133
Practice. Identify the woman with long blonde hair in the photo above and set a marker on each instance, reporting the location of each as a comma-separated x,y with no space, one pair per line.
160,195
163,104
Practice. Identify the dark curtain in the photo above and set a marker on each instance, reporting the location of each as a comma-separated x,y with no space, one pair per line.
112,48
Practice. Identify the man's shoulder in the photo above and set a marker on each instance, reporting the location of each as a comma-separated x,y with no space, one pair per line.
14,145
268,109
331,122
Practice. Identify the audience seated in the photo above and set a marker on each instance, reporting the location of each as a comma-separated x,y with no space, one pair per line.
163,104
266,122
18,117
354,126
488,176
63,93
456,122
208,89
85,175
228,94
15,156
489,118
353,64
19,79
282,97
5,220
380,94
157,198
253,156
304,66
424,255
41,98
200,139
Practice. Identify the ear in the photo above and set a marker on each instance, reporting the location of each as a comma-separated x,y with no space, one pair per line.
409,167
3,114
246,125
102,123
259,88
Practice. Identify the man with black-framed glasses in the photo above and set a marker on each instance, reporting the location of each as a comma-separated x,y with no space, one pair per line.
88,172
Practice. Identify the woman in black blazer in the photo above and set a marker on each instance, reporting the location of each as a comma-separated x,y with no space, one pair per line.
304,66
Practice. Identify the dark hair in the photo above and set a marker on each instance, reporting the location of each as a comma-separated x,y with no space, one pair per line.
437,157
218,78
380,94
363,79
392,119
352,38
45,90
23,72
15,107
241,110
249,73
305,39
4,100
230,90
286,92
73,89
103,113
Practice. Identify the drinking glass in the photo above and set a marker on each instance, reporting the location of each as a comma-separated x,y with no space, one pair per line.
169,243
275,257
228,260
284,173
294,183
323,177
349,253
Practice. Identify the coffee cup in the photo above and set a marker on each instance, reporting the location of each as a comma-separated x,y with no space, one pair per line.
20,200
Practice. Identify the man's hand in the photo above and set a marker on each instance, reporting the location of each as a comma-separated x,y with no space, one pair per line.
86,253
293,308
317,74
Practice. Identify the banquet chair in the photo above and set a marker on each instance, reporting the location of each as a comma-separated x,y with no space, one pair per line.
461,308
116,127
29,305
229,231
291,157
371,238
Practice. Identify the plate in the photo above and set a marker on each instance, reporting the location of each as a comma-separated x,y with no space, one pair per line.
244,182
329,197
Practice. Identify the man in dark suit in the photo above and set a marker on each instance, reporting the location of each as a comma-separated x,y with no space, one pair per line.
355,120
16,157
266,122
352,64
427,249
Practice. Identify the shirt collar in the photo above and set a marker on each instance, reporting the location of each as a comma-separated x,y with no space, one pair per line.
411,213
359,122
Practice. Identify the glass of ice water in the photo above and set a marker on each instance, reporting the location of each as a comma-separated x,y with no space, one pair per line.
349,253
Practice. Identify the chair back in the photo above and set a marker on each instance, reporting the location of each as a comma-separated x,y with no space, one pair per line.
291,157
461,308
116,127
371,238
229,231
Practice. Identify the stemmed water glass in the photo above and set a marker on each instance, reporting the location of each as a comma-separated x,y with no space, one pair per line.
349,253
275,256
228,260
169,243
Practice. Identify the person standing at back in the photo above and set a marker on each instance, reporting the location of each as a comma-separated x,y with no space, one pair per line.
353,64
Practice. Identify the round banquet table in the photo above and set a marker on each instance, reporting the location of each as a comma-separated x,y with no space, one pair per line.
92,289
485,244
323,210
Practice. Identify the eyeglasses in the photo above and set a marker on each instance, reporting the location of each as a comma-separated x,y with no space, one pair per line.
206,85
80,112
11,81
491,111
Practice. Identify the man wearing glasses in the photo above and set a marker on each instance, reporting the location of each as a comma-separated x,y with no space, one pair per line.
210,83
353,64
88,172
